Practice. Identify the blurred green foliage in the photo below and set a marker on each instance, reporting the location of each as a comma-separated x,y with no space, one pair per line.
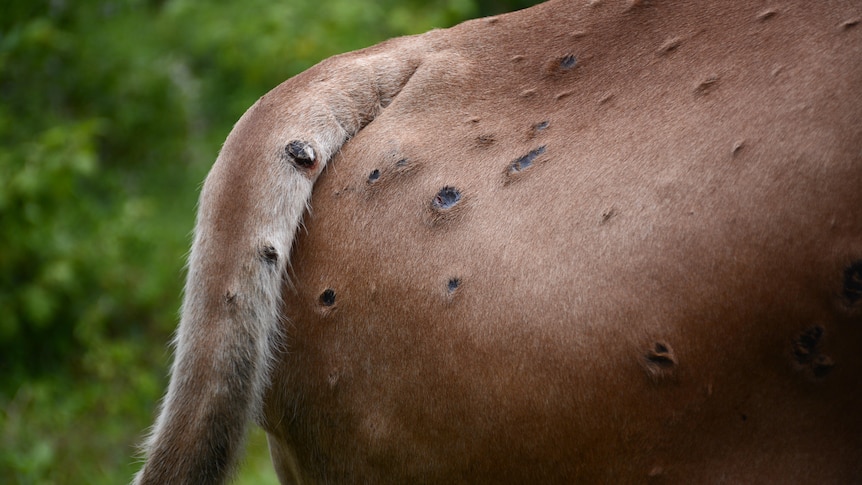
111,112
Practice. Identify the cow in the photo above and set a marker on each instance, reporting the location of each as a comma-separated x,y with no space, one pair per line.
607,241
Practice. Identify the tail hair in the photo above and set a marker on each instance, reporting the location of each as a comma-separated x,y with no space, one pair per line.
251,206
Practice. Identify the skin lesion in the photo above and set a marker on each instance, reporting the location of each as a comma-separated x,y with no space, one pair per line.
807,353
659,362
301,154
327,298
853,282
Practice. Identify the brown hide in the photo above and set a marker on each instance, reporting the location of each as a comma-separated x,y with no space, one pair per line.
667,290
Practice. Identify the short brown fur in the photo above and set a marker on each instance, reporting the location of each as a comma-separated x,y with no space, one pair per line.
637,306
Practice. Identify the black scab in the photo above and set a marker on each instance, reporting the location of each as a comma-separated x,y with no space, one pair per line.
327,298
821,365
453,284
526,161
269,254
659,362
853,282
568,62
807,352
806,344
300,153
541,126
401,163
373,176
446,198
661,355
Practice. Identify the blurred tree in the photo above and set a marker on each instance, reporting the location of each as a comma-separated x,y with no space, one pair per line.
63,213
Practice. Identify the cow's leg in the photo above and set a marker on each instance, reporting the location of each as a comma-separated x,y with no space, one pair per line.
251,205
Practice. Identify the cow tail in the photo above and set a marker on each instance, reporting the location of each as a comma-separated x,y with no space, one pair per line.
251,206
